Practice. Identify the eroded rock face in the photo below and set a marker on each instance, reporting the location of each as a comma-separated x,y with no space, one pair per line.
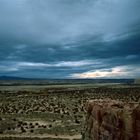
112,120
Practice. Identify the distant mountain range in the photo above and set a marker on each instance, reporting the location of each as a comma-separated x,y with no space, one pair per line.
12,78
65,81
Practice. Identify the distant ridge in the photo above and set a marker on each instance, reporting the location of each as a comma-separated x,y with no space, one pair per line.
12,78
64,81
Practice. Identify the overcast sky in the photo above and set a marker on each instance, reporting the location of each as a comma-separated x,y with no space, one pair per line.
70,38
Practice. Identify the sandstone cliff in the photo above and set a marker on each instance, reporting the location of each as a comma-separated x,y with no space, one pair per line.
112,120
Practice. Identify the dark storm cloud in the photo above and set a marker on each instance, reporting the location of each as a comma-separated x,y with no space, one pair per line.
64,37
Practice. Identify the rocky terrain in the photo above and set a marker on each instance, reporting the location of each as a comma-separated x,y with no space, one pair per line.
55,112
112,120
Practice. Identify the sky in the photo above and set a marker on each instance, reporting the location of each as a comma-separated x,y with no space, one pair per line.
70,38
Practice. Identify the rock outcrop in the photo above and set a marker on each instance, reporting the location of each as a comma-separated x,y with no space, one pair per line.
112,120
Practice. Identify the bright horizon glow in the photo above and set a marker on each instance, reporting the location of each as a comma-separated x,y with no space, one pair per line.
116,72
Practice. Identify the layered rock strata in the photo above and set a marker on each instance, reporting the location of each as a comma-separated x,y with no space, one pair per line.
112,120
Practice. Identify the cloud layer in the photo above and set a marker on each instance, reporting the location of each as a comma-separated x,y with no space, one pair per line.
60,38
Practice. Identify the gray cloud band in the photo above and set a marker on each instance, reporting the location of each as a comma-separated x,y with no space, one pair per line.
53,31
